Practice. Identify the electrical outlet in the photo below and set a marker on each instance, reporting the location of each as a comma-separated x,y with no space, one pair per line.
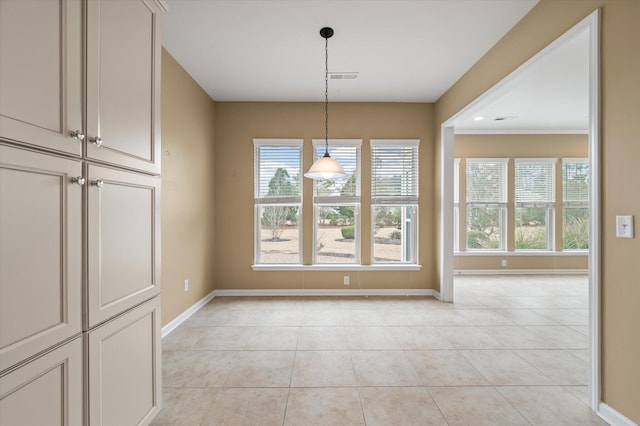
504,263
346,280
186,285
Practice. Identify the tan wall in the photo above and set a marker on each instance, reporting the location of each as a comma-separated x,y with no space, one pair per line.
237,123
512,147
620,141
187,190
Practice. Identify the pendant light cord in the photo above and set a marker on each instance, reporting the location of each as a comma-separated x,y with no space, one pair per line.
326,97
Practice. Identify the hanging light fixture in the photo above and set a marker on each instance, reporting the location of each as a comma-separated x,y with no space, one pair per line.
326,167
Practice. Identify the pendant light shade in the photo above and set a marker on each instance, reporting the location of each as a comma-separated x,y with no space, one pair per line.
326,167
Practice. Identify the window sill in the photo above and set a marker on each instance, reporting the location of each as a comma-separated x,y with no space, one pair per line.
523,253
378,267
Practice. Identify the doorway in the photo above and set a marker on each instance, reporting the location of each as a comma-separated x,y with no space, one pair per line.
590,25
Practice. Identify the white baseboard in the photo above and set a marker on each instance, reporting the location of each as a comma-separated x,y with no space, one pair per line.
172,325
521,272
613,417
331,292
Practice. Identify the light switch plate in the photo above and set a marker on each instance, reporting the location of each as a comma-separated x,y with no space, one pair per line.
624,226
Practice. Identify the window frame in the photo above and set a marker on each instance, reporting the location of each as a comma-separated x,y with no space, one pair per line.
570,204
549,206
355,201
284,201
409,253
501,205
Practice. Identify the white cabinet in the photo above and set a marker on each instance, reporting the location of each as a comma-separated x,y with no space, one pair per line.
123,241
45,391
79,211
41,73
124,368
123,83
40,252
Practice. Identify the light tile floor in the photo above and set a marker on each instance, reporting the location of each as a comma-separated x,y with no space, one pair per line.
512,350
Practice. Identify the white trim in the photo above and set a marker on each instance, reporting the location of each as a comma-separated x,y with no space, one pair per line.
411,143
331,292
613,416
521,271
337,267
592,24
520,132
277,142
525,253
337,142
173,324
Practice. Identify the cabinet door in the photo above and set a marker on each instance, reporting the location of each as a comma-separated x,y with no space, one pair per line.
41,73
124,368
123,83
40,253
123,231
46,391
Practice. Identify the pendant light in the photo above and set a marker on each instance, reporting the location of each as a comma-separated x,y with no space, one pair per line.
326,167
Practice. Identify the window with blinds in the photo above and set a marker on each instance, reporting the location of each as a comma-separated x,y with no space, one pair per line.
486,203
487,181
394,200
535,182
277,199
534,203
394,171
337,205
575,204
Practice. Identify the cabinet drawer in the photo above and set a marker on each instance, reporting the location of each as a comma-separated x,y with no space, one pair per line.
124,368
41,253
46,391
123,241
41,73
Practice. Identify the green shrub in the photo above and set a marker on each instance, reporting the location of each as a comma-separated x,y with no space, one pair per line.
348,232
532,238
395,235
575,235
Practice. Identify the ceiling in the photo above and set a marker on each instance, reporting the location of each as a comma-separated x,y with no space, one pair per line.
401,50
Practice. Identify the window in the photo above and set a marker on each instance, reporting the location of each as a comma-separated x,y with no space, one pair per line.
535,203
575,204
277,195
394,200
486,203
337,205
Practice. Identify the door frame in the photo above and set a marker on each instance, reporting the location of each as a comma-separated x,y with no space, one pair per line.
592,24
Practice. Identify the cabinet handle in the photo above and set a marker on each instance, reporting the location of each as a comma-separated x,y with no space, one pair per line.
77,134
97,140
98,183
79,180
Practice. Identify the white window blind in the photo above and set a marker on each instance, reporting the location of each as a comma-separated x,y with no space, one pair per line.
347,153
535,182
575,181
394,171
487,181
277,170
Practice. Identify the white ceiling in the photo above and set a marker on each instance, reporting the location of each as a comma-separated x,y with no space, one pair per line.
403,50
271,50
551,95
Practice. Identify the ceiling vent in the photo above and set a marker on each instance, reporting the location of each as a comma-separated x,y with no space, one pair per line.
343,75
509,117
